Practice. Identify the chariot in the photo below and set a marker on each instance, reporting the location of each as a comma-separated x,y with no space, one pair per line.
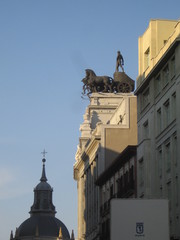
122,83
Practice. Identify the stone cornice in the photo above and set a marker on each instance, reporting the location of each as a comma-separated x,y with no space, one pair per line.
90,148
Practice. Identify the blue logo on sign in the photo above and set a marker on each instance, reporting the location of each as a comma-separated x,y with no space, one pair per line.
139,228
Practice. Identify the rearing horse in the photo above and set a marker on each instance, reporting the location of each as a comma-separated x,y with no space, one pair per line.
96,83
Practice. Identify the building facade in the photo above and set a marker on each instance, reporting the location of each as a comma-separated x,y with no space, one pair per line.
110,125
158,101
117,181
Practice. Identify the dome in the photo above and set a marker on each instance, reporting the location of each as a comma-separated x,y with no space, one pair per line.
42,223
43,186
42,226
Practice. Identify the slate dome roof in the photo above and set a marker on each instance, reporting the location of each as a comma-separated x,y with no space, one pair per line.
43,186
42,226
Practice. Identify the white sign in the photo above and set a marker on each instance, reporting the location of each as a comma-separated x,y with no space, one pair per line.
139,219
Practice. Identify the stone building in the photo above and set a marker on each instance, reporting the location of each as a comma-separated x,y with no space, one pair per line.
42,223
110,125
117,181
158,101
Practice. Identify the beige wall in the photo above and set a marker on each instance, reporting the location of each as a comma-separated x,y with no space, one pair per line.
154,38
117,139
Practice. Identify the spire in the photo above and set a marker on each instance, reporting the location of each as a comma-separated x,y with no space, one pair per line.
43,203
16,233
72,235
43,177
11,235
60,234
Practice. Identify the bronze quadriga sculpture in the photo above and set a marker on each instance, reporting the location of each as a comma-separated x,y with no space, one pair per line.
120,84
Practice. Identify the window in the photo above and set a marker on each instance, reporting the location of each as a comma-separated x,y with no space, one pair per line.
103,194
103,230
174,149
166,75
116,187
157,84
159,160
169,194
166,113
120,187
147,58
161,191
131,177
159,121
145,98
173,67
145,130
111,191
168,157
173,104
107,236
126,180
141,172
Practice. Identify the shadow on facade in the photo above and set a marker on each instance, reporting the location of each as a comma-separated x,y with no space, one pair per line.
101,184
94,119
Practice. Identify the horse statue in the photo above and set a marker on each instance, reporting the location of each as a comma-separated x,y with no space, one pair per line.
93,83
87,87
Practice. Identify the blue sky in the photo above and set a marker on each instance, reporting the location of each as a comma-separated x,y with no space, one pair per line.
45,47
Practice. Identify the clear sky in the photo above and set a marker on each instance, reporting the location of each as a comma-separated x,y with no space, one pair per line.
45,47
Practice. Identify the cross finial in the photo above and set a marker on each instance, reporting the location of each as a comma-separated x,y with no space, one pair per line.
43,177
44,154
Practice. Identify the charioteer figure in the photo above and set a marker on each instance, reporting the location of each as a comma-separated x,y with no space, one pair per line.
119,61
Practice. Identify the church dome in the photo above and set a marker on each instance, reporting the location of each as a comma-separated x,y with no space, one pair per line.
42,223
43,186
41,226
